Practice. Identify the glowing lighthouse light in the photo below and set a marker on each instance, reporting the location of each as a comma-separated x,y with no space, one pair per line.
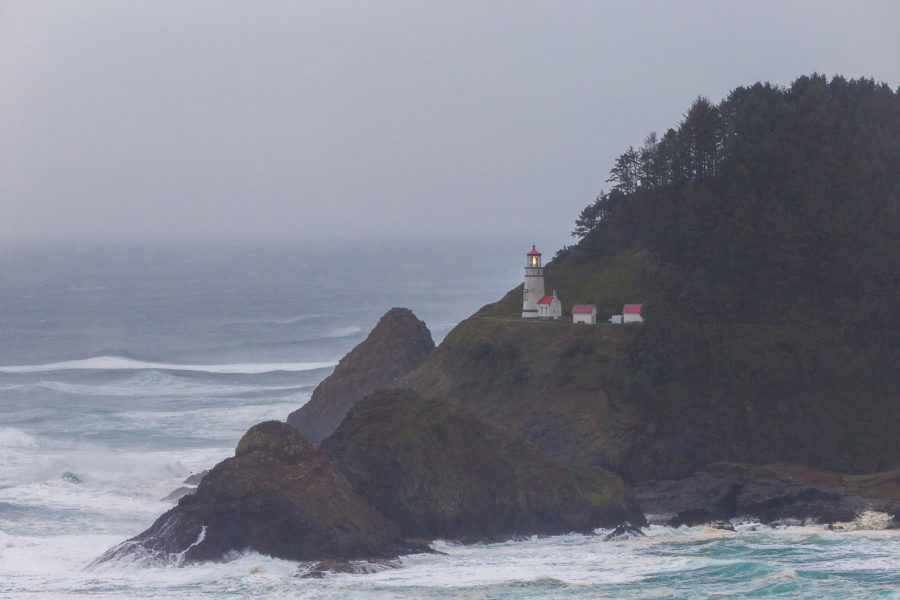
534,284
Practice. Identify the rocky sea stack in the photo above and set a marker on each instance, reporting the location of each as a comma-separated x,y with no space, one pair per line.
400,471
397,345
439,472
277,496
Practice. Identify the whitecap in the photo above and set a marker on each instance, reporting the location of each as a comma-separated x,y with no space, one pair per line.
287,320
152,383
342,332
118,363
16,438
5,542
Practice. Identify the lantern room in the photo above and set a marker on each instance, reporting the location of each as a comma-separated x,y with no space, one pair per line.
533,260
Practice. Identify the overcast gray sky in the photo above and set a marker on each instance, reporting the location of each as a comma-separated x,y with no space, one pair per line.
228,119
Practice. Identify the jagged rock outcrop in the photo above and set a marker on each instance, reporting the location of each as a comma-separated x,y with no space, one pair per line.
277,496
438,472
397,345
190,486
769,493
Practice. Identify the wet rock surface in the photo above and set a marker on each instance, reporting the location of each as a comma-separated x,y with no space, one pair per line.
438,472
397,345
771,493
277,496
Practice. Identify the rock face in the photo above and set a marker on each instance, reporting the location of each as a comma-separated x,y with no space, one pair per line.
590,395
397,345
769,493
438,472
277,496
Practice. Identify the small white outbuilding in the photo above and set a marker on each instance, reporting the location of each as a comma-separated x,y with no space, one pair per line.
631,313
549,307
584,313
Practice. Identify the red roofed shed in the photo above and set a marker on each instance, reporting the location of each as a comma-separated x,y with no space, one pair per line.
631,313
584,313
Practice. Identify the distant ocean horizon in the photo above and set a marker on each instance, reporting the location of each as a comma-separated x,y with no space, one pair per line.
125,367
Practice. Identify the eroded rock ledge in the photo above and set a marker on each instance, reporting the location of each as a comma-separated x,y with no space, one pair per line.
770,493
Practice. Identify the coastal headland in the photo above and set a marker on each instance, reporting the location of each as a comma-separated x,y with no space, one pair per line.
761,237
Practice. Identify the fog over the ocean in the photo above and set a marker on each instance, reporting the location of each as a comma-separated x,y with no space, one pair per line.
213,119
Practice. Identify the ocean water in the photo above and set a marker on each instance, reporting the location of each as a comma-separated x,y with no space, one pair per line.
125,368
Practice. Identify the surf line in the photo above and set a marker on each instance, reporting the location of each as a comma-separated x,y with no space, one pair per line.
119,363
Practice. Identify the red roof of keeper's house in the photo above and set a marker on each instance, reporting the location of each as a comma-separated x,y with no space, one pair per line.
545,300
583,309
533,251
632,309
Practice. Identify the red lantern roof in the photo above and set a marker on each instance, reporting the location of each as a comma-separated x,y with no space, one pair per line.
545,300
533,252
632,309
583,309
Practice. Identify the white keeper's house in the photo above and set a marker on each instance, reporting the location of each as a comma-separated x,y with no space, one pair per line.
549,307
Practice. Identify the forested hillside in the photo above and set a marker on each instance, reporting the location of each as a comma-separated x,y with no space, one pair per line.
776,205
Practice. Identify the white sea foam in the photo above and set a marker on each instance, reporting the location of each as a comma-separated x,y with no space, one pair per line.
869,520
219,422
117,363
342,332
5,542
283,321
150,383
16,438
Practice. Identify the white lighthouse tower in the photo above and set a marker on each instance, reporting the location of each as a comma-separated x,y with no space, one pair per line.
534,284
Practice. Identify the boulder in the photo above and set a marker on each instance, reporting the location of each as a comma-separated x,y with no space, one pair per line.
439,472
397,345
277,496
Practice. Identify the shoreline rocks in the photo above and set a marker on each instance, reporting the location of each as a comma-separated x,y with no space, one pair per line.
771,493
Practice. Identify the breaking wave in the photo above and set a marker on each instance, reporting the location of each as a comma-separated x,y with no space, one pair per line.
118,363
154,383
15,438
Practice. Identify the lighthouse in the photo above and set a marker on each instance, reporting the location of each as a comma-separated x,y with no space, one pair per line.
534,284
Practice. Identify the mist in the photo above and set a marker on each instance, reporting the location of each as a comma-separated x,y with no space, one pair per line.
226,120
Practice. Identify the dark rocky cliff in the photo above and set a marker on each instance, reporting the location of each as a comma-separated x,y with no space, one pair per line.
277,496
439,472
405,470
397,345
